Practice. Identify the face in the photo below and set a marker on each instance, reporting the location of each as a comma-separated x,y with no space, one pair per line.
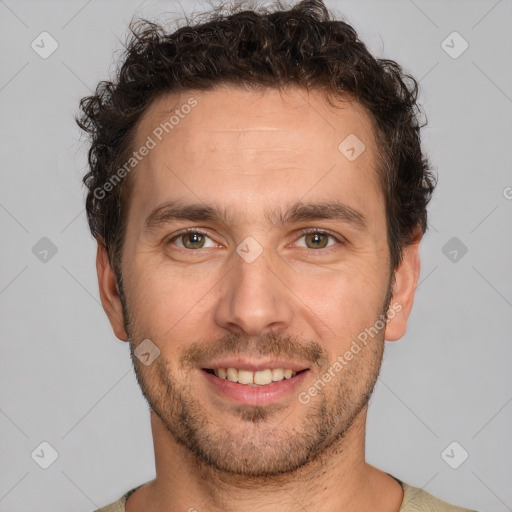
253,242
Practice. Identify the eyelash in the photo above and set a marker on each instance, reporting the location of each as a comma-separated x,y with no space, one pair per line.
302,233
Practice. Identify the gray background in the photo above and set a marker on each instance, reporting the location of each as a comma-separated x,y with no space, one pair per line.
65,378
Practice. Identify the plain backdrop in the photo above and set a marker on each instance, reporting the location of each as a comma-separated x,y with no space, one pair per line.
444,392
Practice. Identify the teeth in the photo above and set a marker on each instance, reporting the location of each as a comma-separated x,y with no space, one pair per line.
277,374
259,378
245,377
232,374
263,377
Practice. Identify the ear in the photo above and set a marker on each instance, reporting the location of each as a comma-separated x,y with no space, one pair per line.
404,287
109,293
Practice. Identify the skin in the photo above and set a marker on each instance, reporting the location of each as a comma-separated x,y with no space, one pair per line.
251,151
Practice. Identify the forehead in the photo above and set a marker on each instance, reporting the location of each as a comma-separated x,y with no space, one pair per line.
256,110
257,144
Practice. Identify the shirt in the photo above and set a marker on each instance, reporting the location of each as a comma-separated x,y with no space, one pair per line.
414,500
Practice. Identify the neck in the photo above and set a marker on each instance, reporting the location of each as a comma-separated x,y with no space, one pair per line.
337,479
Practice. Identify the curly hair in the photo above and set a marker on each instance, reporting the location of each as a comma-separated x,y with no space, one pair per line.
302,46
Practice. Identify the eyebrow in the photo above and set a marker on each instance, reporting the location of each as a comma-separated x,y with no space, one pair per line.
297,212
331,210
173,210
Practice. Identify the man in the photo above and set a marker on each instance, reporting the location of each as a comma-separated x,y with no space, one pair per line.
258,192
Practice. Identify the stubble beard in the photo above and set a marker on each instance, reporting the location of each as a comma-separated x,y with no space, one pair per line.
261,443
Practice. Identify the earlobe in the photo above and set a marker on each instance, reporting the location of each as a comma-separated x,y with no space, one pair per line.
404,288
109,293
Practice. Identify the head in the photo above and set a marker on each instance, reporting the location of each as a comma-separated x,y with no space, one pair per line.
293,158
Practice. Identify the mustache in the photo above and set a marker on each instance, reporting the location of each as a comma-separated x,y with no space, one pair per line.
198,354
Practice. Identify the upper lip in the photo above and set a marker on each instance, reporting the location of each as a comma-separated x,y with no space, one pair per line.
255,364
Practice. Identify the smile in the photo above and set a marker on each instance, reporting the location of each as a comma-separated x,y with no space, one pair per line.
254,378
254,387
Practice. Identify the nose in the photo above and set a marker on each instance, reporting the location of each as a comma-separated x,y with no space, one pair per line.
254,301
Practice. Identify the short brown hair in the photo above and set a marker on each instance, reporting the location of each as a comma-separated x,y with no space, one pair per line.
302,46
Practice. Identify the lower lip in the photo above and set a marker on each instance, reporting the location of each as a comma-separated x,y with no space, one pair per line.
256,395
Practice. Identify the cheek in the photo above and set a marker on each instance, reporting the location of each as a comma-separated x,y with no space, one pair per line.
342,303
163,301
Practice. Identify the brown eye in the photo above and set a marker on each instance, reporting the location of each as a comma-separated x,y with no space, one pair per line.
193,240
317,240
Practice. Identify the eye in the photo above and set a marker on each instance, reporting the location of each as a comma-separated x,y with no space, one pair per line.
192,239
315,239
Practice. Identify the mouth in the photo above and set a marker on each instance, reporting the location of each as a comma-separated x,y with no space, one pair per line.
258,378
255,385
